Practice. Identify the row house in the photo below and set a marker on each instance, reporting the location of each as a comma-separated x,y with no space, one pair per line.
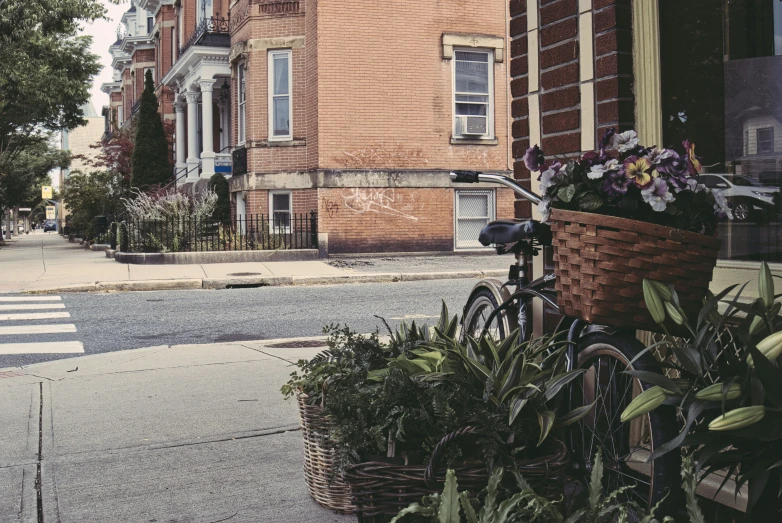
355,110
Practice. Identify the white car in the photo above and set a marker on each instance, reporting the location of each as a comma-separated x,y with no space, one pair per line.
748,196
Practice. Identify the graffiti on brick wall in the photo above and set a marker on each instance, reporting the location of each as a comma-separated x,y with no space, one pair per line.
330,207
375,200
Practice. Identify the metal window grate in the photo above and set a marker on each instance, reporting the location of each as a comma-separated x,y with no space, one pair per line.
474,210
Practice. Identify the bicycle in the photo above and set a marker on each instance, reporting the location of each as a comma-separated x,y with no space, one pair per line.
605,352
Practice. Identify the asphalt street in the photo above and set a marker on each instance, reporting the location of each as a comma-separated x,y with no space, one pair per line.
106,322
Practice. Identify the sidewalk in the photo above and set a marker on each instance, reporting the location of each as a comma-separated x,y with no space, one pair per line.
46,263
191,433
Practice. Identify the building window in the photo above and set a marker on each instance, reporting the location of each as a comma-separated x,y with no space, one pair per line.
280,95
474,210
280,205
173,47
120,114
150,24
242,98
473,87
765,140
204,10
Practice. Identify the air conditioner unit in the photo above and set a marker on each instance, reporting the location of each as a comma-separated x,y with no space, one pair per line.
472,125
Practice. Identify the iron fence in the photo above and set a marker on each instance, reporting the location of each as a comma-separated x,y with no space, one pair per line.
242,233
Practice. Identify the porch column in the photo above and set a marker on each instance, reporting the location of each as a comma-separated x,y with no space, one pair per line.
207,127
192,135
179,108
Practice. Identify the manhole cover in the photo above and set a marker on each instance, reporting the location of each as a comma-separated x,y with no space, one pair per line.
245,274
298,344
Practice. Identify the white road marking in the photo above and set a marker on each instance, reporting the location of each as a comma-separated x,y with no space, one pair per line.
57,347
31,306
38,329
30,298
34,316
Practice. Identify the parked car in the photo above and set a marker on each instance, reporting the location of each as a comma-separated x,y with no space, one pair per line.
50,225
749,197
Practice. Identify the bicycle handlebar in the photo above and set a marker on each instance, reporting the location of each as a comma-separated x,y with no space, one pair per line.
475,177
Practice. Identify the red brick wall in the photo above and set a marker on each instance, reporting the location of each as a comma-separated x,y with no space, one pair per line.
559,81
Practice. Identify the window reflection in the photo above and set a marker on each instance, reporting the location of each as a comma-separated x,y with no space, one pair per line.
722,89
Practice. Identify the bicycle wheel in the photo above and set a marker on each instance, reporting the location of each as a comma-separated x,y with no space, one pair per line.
625,446
477,312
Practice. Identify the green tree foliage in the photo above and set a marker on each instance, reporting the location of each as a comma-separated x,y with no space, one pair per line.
219,185
89,195
151,165
45,70
23,177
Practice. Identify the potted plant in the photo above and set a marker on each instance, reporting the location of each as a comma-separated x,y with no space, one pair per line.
624,213
441,403
729,388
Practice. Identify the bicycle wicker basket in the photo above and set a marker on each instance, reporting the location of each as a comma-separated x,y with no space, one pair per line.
381,489
326,487
601,261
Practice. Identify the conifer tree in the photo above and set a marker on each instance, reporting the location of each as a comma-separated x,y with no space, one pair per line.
219,185
151,165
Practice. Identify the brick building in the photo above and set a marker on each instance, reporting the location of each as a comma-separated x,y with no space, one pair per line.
355,111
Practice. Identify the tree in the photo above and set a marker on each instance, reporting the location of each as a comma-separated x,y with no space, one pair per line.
45,70
89,195
219,185
23,178
151,165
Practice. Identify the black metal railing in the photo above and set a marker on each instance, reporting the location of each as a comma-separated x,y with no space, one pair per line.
135,106
261,232
211,32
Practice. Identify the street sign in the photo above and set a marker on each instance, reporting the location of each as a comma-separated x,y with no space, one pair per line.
46,191
24,209
51,212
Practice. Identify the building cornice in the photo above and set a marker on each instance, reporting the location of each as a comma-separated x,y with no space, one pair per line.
110,87
198,62
153,6
131,44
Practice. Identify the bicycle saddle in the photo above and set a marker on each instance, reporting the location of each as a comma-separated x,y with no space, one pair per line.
512,231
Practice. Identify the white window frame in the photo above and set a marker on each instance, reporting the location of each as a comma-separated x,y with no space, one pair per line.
207,11
757,140
150,28
490,109
492,200
272,221
241,101
287,53
119,116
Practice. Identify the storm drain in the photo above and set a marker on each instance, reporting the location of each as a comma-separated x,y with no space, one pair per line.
298,344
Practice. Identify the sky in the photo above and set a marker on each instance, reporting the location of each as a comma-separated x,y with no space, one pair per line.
104,33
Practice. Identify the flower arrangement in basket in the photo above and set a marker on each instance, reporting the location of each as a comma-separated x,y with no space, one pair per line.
624,213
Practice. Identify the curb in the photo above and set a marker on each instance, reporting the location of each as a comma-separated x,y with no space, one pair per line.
272,281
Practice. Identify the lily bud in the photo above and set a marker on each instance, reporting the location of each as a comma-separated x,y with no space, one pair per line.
653,303
738,418
766,285
770,347
674,313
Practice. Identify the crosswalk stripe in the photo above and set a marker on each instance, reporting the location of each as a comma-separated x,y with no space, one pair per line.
56,347
34,316
38,329
31,306
29,298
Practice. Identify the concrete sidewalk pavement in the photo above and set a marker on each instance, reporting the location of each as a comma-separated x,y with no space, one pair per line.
192,433
46,263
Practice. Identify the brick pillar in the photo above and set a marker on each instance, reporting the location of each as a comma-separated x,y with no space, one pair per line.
580,76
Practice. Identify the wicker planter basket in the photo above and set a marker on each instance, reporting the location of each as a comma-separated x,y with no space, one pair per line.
325,486
601,262
380,490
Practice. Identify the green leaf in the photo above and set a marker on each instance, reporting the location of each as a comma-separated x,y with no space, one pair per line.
655,378
566,193
515,408
492,491
769,376
546,422
449,502
596,482
415,508
555,385
590,202
576,414
469,510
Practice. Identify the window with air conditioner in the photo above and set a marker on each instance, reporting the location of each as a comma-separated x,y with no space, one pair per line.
280,106
241,97
474,210
473,94
280,205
